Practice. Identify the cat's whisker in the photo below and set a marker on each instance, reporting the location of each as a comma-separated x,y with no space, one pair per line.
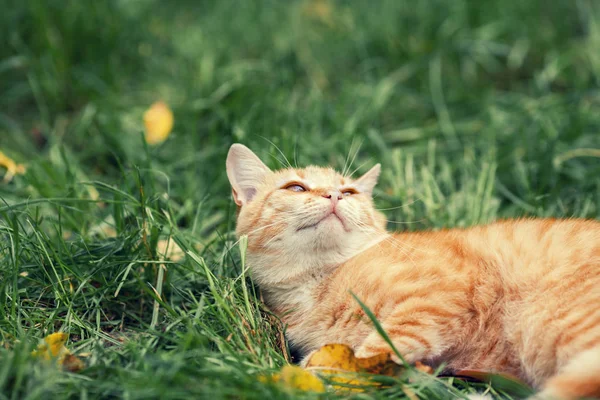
405,222
289,165
304,213
401,247
357,168
402,206
296,151
277,221
357,222
346,165
367,229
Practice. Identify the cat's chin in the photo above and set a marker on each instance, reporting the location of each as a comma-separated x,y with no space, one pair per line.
337,220
329,222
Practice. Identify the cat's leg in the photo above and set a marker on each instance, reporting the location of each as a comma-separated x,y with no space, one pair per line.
421,329
415,341
413,347
579,378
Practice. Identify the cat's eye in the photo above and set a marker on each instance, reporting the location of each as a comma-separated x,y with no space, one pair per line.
295,187
349,192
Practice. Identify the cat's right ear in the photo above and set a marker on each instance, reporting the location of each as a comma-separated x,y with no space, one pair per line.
245,172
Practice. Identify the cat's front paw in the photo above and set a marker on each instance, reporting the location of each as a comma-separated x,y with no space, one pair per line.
374,344
363,352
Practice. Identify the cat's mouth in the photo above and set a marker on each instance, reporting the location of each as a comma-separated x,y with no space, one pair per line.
333,214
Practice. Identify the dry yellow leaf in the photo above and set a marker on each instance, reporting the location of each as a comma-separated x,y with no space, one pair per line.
333,360
72,363
12,168
158,120
53,348
339,357
338,364
294,377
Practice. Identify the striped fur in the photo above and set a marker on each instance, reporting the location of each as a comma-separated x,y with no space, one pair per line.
518,296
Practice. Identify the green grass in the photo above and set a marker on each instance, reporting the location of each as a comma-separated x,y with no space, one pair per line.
477,110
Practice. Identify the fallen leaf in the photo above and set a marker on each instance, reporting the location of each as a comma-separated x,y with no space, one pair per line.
53,349
158,120
333,360
72,363
340,357
294,377
338,365
12,168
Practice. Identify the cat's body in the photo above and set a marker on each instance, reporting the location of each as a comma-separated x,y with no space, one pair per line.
519,296
482,298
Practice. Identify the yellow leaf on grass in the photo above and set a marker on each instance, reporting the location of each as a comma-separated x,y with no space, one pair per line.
341,368
339,357
12,168
294,377
333,360
158,120
53,349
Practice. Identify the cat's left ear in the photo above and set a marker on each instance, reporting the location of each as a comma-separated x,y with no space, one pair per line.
367,182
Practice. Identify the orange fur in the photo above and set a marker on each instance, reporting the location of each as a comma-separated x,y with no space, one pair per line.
518,296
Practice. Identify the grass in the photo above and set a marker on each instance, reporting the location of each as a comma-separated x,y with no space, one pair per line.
477,111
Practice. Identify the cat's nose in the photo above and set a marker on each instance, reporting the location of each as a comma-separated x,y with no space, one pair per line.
333,195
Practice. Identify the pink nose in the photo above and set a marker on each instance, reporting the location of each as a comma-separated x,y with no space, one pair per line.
333,195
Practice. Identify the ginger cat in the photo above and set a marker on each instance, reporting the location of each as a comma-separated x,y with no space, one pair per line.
519,296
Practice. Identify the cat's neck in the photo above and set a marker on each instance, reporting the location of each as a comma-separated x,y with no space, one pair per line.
289,283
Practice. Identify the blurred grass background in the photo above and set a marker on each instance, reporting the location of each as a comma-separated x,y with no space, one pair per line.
476,109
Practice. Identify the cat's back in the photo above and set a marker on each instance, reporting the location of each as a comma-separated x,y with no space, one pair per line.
515,245
534,250
512,253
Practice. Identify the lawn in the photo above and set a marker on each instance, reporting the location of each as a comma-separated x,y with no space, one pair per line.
477,110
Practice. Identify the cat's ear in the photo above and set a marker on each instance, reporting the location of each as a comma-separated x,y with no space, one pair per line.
367,182
245,172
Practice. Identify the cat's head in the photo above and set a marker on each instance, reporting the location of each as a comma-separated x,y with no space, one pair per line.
298,219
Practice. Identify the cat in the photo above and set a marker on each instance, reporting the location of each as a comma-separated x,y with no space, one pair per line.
516,296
